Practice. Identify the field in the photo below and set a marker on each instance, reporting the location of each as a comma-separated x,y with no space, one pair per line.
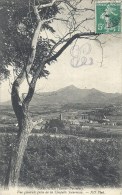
68,157
57,162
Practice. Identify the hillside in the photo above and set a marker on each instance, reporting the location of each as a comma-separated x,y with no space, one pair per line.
72,94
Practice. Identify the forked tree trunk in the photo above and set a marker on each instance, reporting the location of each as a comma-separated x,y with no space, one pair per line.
20,144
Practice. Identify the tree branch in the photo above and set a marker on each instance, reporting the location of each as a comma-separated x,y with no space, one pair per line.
59,52
47,4
76,36
30,93
35,39
78,9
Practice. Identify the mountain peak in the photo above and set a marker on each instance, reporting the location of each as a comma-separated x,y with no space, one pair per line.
95,90
72,87
69,88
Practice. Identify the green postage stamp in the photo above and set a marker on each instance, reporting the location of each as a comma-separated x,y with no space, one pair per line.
108,16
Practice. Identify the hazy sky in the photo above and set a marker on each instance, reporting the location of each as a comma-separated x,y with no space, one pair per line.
107,78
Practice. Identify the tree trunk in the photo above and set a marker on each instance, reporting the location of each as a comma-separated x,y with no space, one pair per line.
18,152
20,143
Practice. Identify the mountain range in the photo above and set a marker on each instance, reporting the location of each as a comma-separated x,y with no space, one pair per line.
72,94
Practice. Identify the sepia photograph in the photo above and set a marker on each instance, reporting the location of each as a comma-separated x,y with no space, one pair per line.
60,97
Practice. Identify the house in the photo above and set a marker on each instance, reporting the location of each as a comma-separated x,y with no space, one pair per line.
84,117
74,122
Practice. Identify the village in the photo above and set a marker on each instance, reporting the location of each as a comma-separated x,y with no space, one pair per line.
57,120
68,121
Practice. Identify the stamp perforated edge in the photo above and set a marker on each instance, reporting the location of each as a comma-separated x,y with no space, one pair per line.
109,1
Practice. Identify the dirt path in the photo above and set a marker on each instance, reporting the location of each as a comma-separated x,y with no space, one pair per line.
64,136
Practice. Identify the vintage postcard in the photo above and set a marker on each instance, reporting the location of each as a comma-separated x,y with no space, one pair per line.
60,97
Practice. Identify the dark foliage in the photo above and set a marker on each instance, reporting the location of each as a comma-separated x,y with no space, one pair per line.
65,162
17,25
52,162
